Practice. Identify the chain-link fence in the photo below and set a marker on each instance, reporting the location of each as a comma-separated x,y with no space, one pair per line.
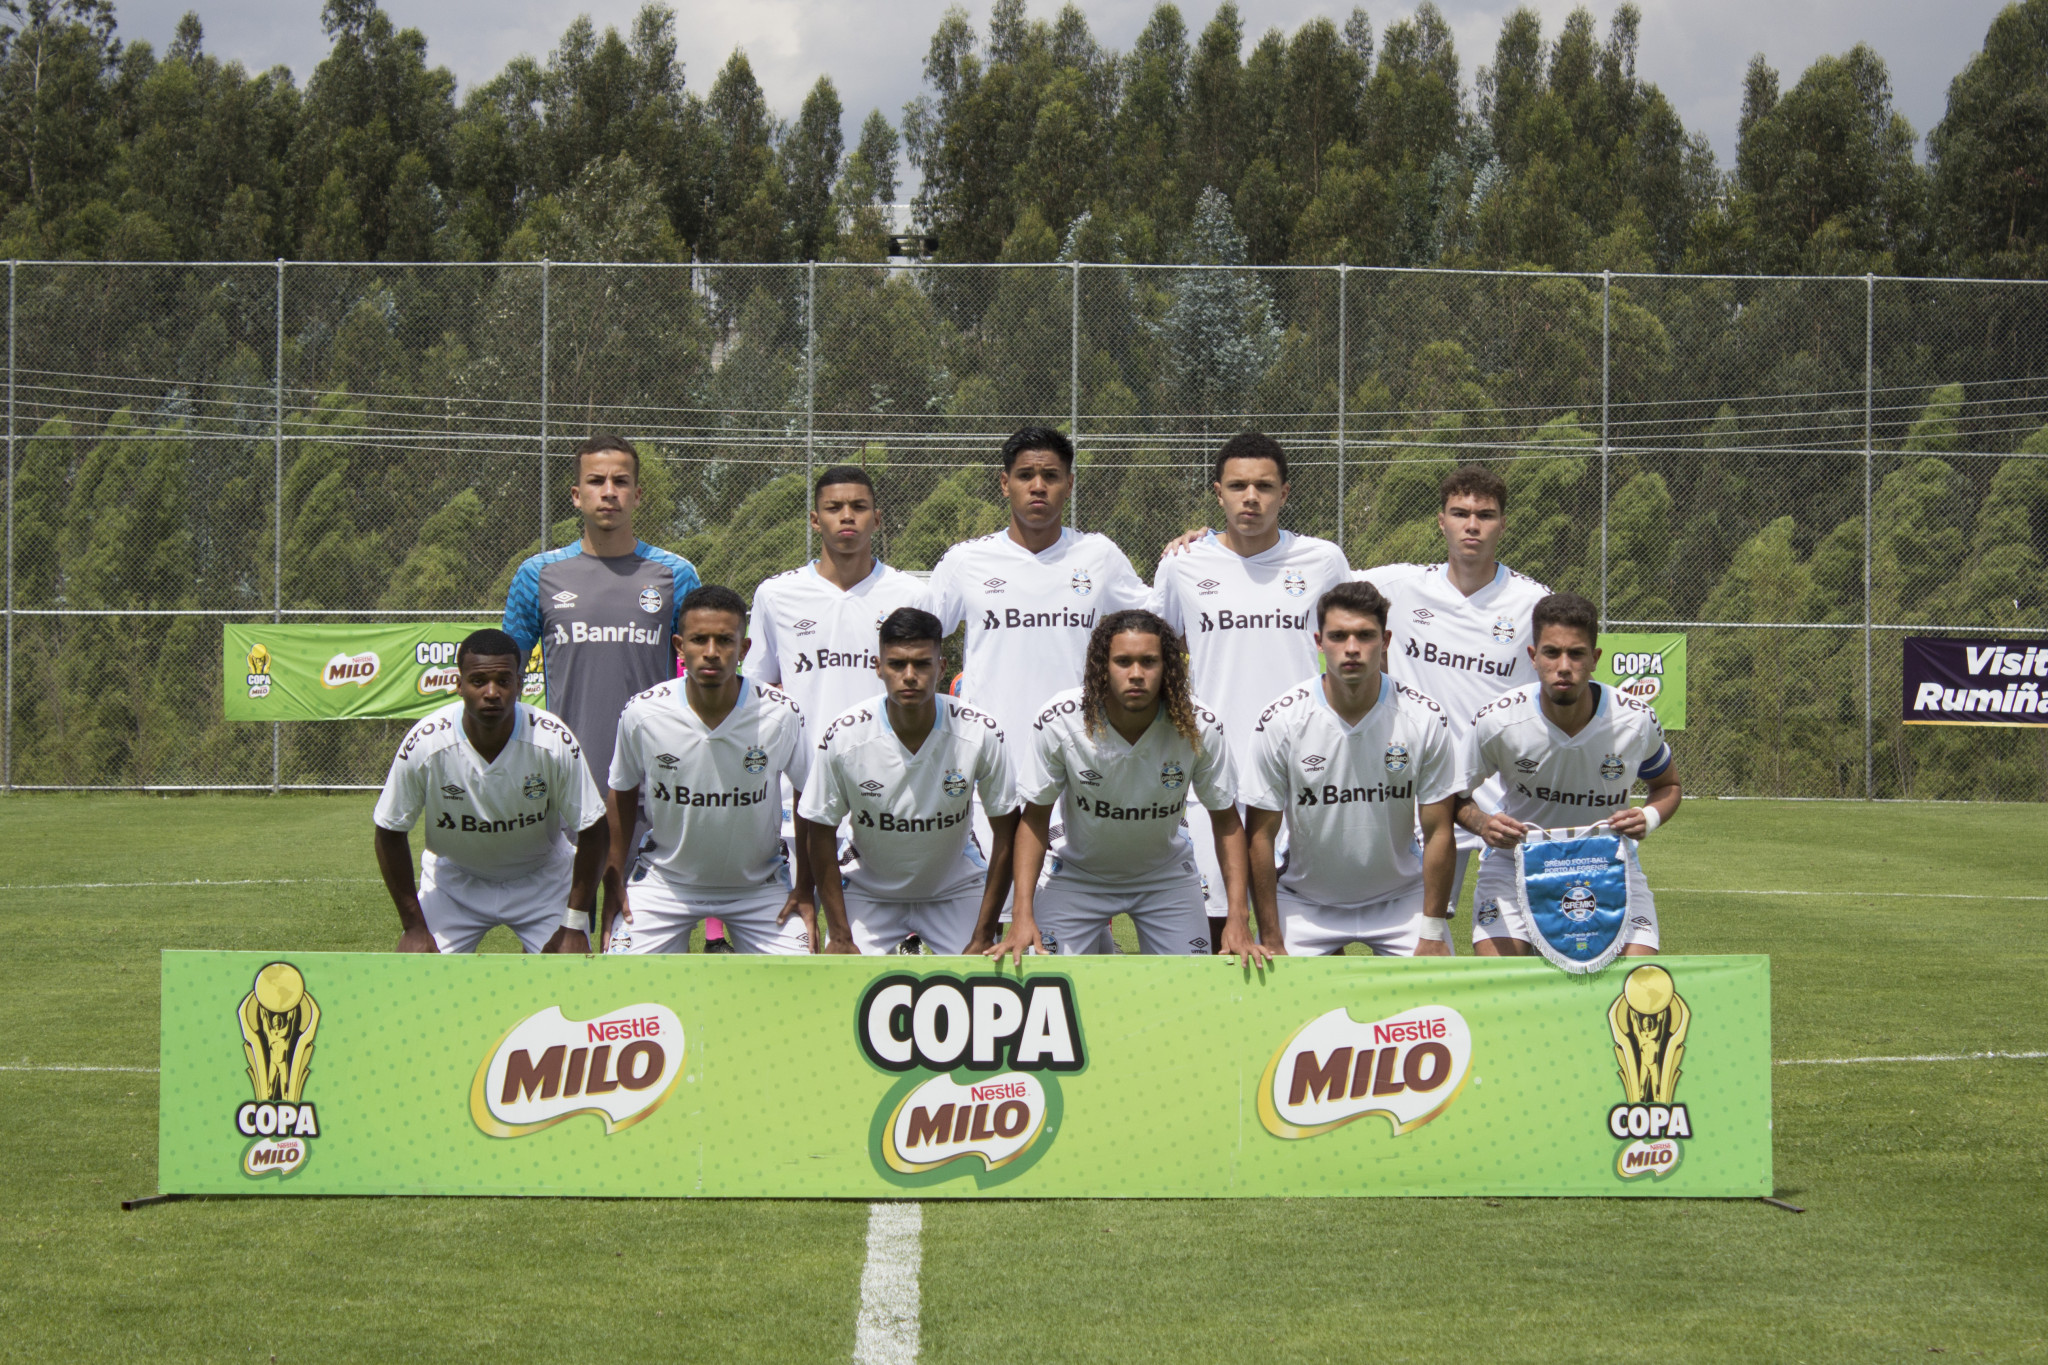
1795,472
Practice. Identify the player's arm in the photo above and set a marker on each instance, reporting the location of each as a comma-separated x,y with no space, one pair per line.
1439,867
823,841
1033,837
1665,796
622,812
1231,856
394,860
1182,541
1497,830
1263,889
593,848
1002,855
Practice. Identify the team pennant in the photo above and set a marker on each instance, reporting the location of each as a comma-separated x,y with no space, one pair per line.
1572,889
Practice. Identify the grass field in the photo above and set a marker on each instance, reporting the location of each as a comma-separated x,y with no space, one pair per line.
1918,931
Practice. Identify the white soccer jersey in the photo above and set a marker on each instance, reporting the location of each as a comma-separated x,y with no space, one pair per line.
910,813
816,640
1555,780
1125,801
1249,622
1349,794
1029,615
497,821
712,796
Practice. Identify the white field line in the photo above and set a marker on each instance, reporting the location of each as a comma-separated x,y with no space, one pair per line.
1924,1057
138,1070
1903,895
245,881
886,1331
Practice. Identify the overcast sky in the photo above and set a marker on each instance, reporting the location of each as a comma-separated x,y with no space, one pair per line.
873,51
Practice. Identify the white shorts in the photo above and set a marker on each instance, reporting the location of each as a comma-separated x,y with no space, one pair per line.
1388,926
1170,918
662,919
1494,916
946,926
460,907
1203,836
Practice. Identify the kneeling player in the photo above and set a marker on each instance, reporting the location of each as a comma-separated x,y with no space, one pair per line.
903,767
1568,750
707,753
1352,761
497,780
1124,749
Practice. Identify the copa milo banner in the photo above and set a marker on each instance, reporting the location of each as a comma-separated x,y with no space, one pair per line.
1974,682
1649,668
317,1073
368,671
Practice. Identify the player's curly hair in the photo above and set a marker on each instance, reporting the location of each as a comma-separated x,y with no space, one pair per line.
1174,694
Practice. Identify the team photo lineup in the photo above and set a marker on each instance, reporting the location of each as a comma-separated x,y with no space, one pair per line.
1265,752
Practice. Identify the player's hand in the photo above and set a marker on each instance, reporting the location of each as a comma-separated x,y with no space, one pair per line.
1431,947
840,947
979,945
418,939
1182,541
1502,831
802,907
1022,937
1244,951
1631,822
567,940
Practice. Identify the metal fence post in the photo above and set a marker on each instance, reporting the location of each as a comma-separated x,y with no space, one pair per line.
7,701
543,403
1343,381
1074,401
277,512
1606,350
1869,371
810,387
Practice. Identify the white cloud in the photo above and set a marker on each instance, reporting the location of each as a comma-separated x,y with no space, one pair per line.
874,52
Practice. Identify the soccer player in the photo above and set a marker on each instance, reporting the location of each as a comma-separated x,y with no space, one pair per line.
705,754
497,781
1568,751
1463,624
1351,762
813,628
1122,750
604,609
900,766
1241,598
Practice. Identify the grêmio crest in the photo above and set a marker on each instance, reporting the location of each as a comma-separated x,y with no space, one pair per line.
278,1019
979,1060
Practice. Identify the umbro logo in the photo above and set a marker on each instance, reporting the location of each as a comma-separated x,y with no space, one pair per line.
805,627
992,584
563,598
1314,762
871,786
1424,614
1089,777
1527,765
452,792
1208,587
667,760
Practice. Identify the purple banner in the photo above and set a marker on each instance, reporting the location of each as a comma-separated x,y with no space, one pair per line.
1975,682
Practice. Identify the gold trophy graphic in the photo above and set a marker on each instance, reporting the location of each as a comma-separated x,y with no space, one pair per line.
278,1021
259,658
1649,1019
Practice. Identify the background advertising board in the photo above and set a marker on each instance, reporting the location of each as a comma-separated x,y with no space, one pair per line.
1974,682
1649,668
343,672
317,1073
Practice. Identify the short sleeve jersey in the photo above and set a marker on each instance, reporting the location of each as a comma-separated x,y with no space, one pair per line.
606,629
1249,621
1349,793
1125,802
1554,780
1028,615
816,640
713,797
910,814
500,820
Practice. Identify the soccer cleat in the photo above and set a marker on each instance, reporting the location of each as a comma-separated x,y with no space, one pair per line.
912,946
717,945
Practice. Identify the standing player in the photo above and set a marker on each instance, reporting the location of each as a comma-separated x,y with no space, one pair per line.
900,766
1464,623
705,752
1352,762
1568,750
497,780
1241,598
1122,750
813,628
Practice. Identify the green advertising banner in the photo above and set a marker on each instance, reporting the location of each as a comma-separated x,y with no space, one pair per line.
351,1073
1649,668
361,671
